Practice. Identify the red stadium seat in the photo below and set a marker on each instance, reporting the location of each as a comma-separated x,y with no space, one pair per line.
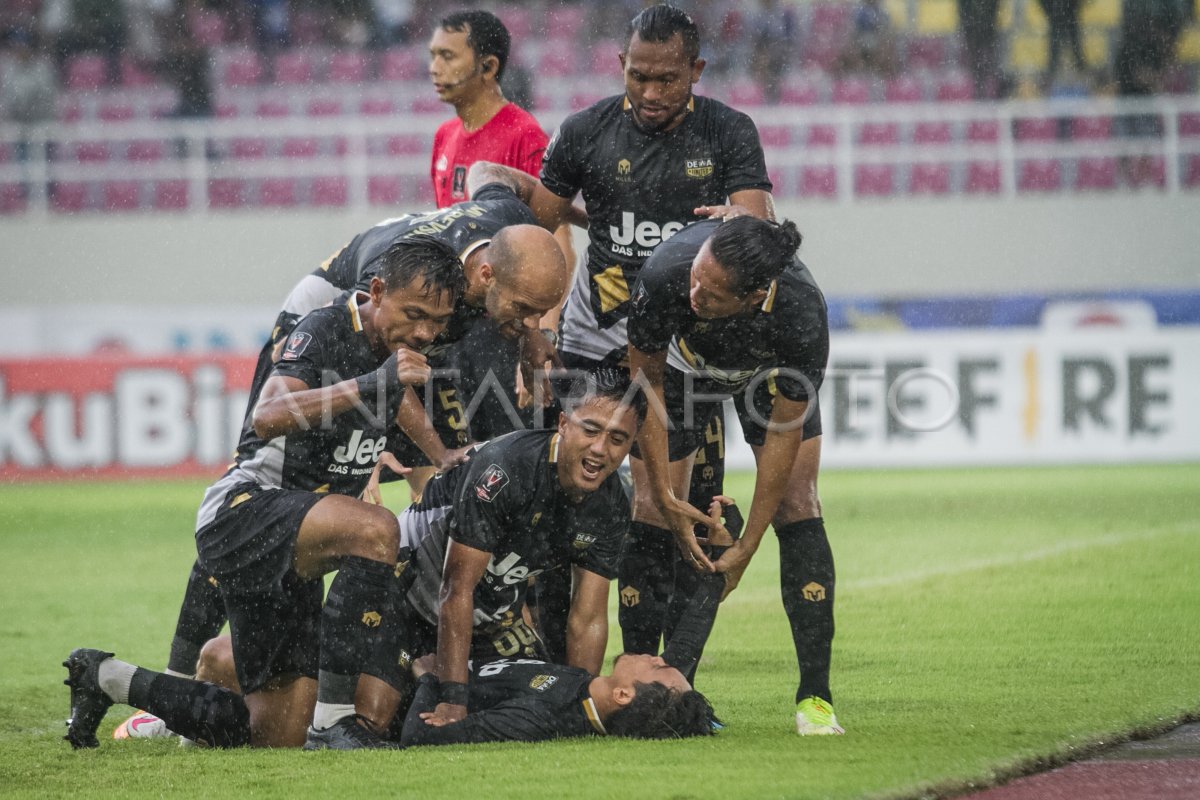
122,195
12,198
1039,175
300,147
383,190
879,133
348,66
92,152
955,87
226,193
983,131
207,26
746,94
376,107
1096,173
518,20
402,64
852,91
818,180
294,68
116,112
874,180
933,133
132,74
145,150
983,177
329,191
1189,124
1191,171
603,58
242,68
558,60
775,135
325,107
1091,128
171,195
405,144
1039,129
927,52
86,73
426,104
802,89
929,179
278,193
821,136
820,50
832,16
903,89
565,22
1147,172
273,107
69,196
248,147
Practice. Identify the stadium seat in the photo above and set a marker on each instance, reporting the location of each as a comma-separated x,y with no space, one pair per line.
903,89
300,147
376,106
348,66
207,26
383,190
955,87
928,52
324,107
116,111
980,131
6,153
133,76
1096,173
746,94
308,26
171,195
1039,175
821,136
558,60
224,109
851,91
145,150
329,191
69,196
518,20
1189,124
122,195
983,177
426,104
242,68
565,21
802,89
874,180
273,107
278,193
775,135
91,152
1191,171
820,50
818,180
402,64
1091,128
937,17
1149,172
603,57
248,147
928,132
86,73
70,109
226,193
1036,129
831,16
12,198
879,133
929,179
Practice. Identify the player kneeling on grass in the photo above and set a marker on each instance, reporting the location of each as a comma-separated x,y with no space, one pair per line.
286,514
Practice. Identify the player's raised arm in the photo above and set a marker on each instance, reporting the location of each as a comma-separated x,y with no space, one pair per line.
551,210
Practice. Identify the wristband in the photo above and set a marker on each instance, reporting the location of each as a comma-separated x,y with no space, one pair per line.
387,375
452,693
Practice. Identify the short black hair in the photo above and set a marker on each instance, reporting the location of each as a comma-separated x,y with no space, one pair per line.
754,251
421,257
657,712
659,23
610,384
486,35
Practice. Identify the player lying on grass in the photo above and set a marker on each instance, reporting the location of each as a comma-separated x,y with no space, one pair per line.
287,513
725,309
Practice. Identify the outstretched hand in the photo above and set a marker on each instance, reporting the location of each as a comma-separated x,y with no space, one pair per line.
682,518
444,714
371,493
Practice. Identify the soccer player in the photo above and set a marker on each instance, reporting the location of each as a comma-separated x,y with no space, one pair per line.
286,513
725,309
647,162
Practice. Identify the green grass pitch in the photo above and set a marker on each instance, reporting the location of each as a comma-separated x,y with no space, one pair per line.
988,621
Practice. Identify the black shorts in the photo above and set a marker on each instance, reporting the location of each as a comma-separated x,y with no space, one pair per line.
274,615
688,430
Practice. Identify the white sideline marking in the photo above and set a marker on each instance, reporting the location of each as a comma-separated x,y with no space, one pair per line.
1059,549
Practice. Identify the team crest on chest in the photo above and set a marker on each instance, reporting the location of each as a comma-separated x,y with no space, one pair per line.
699,167
490,483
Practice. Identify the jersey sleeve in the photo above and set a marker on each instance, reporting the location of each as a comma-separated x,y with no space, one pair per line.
561,170
653,316
304,353
805,350
481,507
520,720
743,152
531,149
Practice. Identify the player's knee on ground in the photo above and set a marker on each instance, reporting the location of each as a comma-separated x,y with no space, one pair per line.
216,664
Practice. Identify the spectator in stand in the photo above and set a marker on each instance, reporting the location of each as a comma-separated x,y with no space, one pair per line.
86,26
28,88
271,21
393,21
977,19
1063,16
772,35
185,62
872,45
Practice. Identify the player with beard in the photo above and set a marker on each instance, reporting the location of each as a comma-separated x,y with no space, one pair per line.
725,309
646,162
286,513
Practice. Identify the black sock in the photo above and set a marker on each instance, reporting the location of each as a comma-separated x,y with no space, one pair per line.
194,709
350,623
644,583
201,616
806,579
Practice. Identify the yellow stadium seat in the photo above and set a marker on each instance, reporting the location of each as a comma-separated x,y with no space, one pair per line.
1028,53
937,17
1095,48
1100,13
898,13
1187,49
1035,18
1004,18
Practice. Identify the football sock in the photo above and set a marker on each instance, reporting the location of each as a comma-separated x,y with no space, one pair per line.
644,581
196,710
201,616
806,579
114,676
350,623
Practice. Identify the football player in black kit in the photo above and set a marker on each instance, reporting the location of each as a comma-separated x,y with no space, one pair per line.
646,162
725,309
286,513
513,275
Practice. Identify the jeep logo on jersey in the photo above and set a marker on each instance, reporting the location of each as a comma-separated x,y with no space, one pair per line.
508,571
297,342
490,483
360,449
699,167
646,233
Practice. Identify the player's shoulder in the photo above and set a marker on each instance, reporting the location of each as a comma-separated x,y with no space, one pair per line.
450,126
512,457
513,116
